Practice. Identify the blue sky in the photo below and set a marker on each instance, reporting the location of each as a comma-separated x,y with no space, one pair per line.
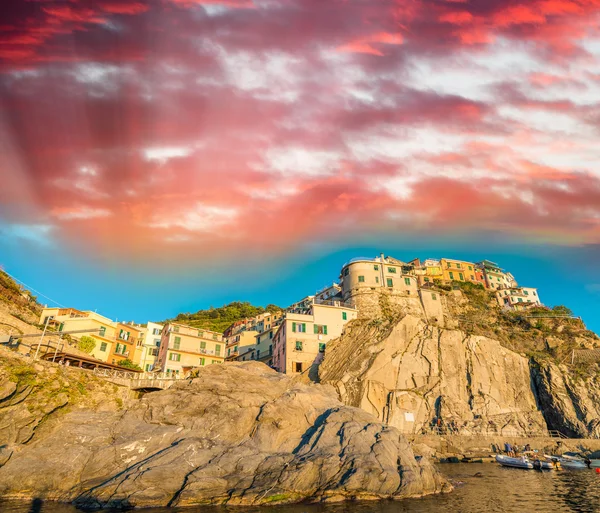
563,275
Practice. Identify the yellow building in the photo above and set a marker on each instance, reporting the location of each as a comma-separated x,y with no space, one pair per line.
128,344
183,347
302,337
364,274
240,343
458,270
148,352
429,271
101,329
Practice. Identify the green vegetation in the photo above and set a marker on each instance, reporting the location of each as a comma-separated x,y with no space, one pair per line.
86,344
219,319
128,364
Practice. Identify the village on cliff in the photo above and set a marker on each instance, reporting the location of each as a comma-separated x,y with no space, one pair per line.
289,341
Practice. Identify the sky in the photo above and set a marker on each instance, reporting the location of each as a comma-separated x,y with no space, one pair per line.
164,156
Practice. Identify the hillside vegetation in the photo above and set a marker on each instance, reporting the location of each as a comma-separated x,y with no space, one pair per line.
219,319
18,301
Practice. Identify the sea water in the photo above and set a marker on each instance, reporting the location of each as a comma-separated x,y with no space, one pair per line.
479,488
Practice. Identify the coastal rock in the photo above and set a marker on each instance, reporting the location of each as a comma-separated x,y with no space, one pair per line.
570,403
239,434
409,373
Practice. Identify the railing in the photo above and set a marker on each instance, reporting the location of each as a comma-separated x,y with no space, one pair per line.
327,302
123,374
449,430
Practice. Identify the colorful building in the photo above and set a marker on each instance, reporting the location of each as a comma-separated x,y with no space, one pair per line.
518,298
458,270
364,274
183,347
302,337
148,352
128,338
101,329
495,277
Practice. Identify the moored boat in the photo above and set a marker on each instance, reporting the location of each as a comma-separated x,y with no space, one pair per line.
543,465
507,461
572,464
594,463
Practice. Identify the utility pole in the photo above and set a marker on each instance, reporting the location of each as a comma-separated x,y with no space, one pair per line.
41,338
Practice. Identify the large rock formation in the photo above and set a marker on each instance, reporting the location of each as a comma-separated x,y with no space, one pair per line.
409,374
236,434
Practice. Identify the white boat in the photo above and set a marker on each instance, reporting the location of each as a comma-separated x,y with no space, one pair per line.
568,462
507,461
594,463
572,463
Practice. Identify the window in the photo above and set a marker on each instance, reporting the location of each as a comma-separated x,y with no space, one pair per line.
103,346
392,270
407,281
472,277
61,327
299,327
157,342
434,296
174,357
218,349
390,282
298,345
520,300
202,344
229,351
458,265
177,343
361,279
376,279
235,349
156,331
451,275
154,352
270,335
376,267
321,348
526,293
121,349
102,331
461,277
320,330
124,335
215,336
344,316
346,271
534,293
176,329
258,354
470,268
426,280
270,350
297,366
147,367
202,361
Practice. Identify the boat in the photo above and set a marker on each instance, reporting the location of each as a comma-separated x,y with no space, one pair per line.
543,465
594,463
569,462
507,461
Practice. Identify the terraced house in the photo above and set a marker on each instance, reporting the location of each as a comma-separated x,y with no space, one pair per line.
183,347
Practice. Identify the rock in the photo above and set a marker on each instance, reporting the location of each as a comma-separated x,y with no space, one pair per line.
409,373
239,434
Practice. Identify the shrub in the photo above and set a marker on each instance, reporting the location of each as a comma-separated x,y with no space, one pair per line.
128,364
86,344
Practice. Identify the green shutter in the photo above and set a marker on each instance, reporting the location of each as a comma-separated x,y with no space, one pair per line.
294,327
344,316
324,330
316,329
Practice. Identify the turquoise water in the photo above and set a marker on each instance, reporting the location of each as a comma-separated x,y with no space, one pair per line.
497,490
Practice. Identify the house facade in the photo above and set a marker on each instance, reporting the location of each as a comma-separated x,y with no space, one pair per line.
362,275
302,337
458,270
518,298
150,347
183,347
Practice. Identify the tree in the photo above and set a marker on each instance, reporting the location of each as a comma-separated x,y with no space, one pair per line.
86,344
128,364
562,310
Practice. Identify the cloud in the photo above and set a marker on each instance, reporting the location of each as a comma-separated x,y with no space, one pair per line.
79,213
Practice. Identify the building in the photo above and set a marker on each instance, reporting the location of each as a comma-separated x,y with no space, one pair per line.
240,344
495,277
306,328
429,271
102,329
458,270
150,346
364,274
128,338
183,347
518,298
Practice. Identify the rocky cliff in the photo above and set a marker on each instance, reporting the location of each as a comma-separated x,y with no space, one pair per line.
239,434
480,371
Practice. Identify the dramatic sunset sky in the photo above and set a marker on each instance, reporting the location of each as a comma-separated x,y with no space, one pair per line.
169,155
